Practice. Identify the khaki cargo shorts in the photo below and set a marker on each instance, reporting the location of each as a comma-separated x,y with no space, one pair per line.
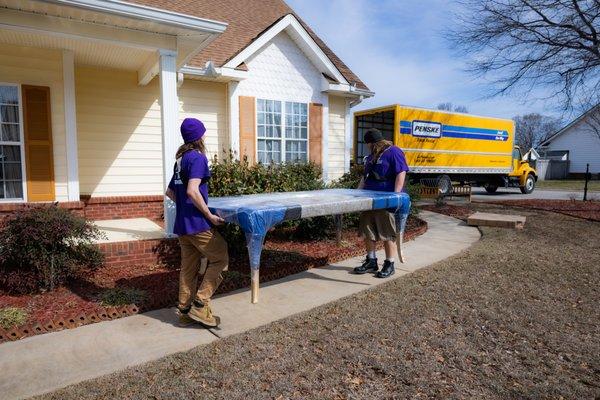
377,225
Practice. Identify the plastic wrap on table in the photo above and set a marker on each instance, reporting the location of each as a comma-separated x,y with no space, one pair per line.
257,213
401,214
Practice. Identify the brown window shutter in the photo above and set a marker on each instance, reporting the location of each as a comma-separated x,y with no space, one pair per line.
315,132
248,128
38,143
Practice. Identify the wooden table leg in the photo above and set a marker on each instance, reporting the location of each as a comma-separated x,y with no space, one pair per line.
338,229
399,241
254,277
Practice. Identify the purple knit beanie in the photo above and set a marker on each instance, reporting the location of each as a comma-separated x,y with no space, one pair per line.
192,130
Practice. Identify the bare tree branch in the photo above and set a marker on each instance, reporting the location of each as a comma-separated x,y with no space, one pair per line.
534,46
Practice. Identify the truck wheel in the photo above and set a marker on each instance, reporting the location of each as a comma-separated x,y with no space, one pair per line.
529,185
444,185
490,188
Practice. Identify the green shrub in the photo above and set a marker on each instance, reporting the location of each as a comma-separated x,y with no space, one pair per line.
231,177
122,296
42,247
12,316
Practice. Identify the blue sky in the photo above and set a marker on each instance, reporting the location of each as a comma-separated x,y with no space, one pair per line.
397,48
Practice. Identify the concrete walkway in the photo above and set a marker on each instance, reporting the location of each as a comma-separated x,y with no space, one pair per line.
44,363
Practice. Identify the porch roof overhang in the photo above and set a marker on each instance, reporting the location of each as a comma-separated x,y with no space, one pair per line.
107,33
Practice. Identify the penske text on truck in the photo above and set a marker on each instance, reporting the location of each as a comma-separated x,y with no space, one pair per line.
447,146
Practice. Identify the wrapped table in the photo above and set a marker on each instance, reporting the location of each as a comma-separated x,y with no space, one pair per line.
257,213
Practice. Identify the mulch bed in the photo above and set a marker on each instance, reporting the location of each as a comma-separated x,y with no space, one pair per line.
79,303
589,210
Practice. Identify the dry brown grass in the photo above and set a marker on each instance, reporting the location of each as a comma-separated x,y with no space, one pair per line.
515,316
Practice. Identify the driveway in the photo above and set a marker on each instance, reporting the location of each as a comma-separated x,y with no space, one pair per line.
479,194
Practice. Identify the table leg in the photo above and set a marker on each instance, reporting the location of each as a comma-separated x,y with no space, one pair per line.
338,229
254,277
255,243
401,225
399,241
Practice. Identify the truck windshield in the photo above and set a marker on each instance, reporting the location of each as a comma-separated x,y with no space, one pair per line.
517,154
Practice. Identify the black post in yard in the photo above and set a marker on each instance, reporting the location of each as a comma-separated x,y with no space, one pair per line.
587,178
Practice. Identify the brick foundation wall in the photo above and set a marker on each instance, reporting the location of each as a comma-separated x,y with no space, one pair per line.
150,252
99,208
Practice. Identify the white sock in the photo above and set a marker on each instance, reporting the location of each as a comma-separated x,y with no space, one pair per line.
391,259
371,255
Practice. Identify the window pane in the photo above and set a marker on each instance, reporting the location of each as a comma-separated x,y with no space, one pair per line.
277,106
9,95
10,132
11,153
296,108
269,105
9,113
277,119
261,118
260,105
12,171
303,133
14,190
277,131
303,108
261,145
289,108
303,120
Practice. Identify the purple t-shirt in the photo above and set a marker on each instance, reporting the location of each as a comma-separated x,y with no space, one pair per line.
390,163
189,220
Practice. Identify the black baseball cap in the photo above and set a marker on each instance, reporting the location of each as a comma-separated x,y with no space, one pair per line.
373,135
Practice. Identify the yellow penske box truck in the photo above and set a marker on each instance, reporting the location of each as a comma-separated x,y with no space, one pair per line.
443,147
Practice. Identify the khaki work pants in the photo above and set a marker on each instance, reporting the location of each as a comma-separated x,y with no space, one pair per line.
209,244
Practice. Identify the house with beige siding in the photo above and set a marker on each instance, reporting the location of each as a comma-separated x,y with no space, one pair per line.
92,93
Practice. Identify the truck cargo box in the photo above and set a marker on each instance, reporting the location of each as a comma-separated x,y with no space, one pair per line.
441,142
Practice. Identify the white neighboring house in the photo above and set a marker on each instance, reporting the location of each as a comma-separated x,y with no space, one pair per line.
578,142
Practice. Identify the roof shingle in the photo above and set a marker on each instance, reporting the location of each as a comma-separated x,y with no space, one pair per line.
247,19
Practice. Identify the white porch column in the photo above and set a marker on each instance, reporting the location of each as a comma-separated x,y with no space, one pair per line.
233,102
68,67
169,108
325,141
349,138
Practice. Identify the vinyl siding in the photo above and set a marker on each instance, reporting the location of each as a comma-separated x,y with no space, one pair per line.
119,133
207,101
119,129
337,136
34,66
583,146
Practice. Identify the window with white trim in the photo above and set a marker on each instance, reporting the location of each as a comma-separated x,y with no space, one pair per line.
282,131
11,168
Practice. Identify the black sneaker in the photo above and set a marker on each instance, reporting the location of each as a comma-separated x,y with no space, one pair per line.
369,265
387,270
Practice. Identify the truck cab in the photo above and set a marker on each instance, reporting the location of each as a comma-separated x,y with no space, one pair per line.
522,174
523,171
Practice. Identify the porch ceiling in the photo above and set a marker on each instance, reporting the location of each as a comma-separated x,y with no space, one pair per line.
86,52
107,33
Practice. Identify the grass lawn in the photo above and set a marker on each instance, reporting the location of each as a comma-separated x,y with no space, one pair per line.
515,316
568,185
